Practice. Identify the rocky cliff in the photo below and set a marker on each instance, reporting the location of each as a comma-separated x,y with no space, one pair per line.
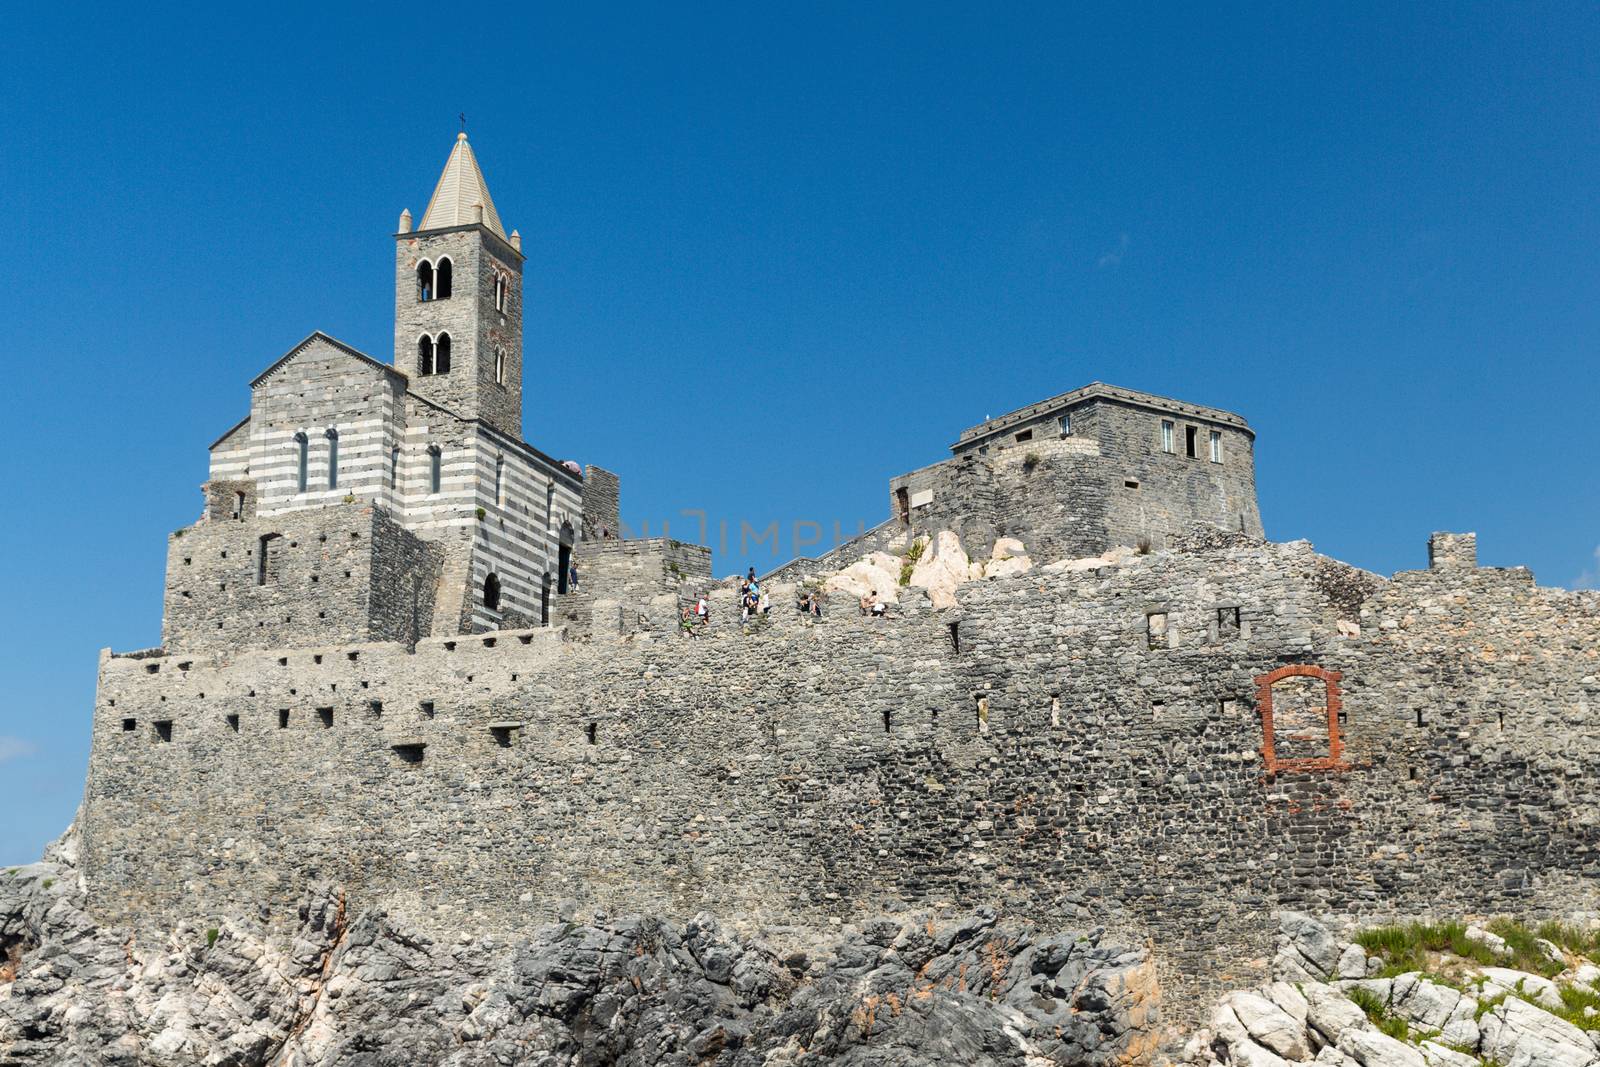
361,988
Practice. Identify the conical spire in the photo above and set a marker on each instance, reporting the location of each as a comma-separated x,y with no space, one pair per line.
459,194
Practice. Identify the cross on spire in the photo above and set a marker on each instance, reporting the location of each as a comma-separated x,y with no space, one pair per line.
463,117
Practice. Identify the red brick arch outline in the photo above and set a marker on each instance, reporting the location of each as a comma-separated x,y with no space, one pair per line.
1269,756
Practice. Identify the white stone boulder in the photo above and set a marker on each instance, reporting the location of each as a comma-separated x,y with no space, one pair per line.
1242,1048
1519,1034
1330,1013
877,572
1009,557
1332,1057
1437,1055
1311,942
943,567
1534,987
1429,1006
1585,973
1270,1026
1370,1048
1352,963
1493,942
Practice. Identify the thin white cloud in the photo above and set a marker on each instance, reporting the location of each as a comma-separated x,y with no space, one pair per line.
1590,579
15,748
1112,258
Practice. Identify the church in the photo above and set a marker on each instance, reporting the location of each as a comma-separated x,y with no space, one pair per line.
368,500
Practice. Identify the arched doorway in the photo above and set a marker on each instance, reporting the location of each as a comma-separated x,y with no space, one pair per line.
564,559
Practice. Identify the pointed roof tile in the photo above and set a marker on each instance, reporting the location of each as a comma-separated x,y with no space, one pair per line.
460,190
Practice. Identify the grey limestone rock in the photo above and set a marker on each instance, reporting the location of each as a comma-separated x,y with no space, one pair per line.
367,989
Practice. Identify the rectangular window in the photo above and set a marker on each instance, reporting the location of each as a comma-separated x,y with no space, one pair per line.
1065,422
267,559
1227,624
1190,447
333,459
435,470
283,718
394,467
500,483
1167,436
1216,446
164,729
1025,435
1155,629
326,717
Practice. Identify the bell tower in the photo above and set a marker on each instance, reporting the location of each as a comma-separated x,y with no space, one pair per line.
458,300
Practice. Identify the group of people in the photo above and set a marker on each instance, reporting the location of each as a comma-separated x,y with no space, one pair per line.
752,598
694,617
753,601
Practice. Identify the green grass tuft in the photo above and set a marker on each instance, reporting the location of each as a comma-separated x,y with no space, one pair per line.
1488,1004
1378,1014
211,937
1525,953
1575,1000
1408,948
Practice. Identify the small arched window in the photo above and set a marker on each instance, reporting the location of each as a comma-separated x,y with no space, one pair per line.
442,278
302,449
238,506
499,366
491,592
441,354
424,281
500,287
500,481
394,467
424,355
435,468
333,459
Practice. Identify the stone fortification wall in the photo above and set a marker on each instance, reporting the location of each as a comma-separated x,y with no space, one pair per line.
619,579
1175,489
1065,745
337,574
1070,495
602,504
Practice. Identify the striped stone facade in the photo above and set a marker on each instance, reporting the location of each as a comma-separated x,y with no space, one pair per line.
423,463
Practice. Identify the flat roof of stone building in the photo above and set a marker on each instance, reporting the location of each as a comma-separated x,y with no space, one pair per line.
1100,391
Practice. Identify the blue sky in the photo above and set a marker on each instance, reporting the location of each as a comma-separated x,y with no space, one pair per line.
776,258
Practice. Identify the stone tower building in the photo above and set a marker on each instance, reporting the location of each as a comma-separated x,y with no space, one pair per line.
458,300
361,500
